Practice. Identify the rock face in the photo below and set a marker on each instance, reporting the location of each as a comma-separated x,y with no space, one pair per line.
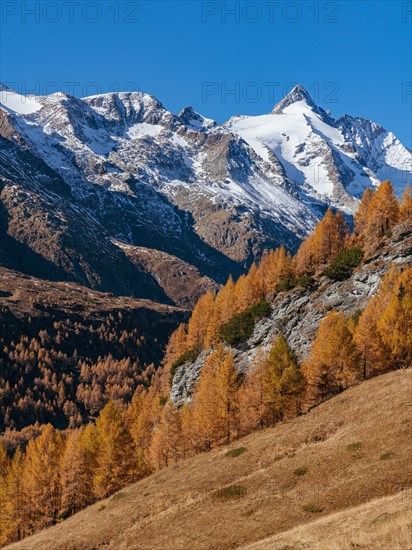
96,175
297,313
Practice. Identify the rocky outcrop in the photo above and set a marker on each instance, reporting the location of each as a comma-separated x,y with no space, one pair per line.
297,313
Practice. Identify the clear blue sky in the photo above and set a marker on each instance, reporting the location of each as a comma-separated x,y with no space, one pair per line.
193,53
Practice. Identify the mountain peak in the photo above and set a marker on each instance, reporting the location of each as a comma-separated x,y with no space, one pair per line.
298,93
195,120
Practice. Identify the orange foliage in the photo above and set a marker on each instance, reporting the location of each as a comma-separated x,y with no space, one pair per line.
323,244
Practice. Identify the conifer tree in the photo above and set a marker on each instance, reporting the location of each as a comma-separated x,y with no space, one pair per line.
198,323
383,215
4,468
395,325
166,444
334,361
274,387
226,301
362,216
292,382
41,479
324,243
116,461
405,211
383,335
186,424
75,475
142,417
12,526
177,344
215,400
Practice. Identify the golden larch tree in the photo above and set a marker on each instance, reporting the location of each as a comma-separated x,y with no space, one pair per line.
75,476
334,360
116,460
405,211
41,479
383,215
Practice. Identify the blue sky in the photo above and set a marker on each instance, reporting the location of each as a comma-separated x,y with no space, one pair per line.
223,58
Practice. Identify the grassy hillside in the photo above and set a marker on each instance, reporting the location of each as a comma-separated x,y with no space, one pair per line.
382,523
345,453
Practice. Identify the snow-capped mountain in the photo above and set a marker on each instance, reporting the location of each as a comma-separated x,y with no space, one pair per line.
332,160
212,195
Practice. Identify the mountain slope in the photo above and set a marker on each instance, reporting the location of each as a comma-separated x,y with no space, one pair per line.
179,508
125,171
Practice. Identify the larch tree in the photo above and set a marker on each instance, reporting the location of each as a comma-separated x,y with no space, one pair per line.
12,526
242,294
395,325
41,479
226,301
186,425
373,353
199,321
327,240
292,382
251,396
383,215
75,476
177,344
283,382
4,468
405,211
89,441
214,406
143,415
273,387
116,460
383,335
362,216
226,386
334,360
304,260
166,444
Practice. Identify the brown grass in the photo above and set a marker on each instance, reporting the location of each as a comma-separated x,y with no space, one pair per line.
381,524
175,509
